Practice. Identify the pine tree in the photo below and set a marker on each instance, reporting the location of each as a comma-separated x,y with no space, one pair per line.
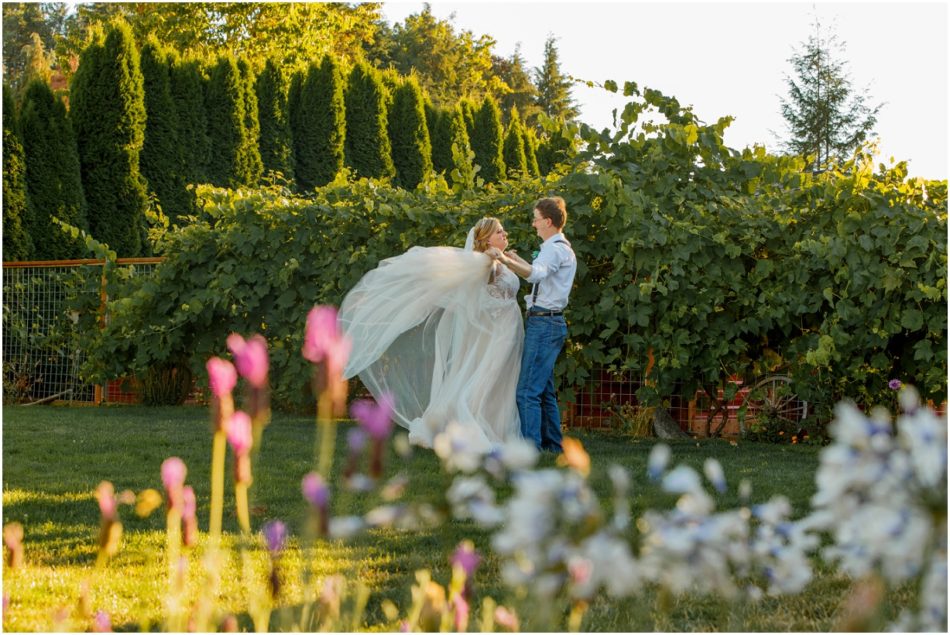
440,132
108,113
554,89
411,147
826,119
514,150
319,124
53,182
225,111
488,142
188,87
275,141
250,155
462,170
162,160
17,213
368,150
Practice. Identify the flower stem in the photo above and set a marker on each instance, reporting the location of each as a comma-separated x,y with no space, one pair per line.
219,449
240,501
327,433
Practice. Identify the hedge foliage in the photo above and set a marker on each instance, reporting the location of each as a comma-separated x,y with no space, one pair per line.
107,110
318,124
488,141
17,244
275,141
409,136
53,184
719,262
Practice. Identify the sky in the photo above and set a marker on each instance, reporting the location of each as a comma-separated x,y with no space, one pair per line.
732,59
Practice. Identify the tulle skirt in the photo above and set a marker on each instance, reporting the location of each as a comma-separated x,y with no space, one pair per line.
426,329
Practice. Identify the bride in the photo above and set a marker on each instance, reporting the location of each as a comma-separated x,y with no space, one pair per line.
439,328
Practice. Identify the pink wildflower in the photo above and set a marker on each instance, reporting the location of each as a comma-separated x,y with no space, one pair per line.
173,478
376,419
105,494
239,433
222,376
189,517
250,357
102,623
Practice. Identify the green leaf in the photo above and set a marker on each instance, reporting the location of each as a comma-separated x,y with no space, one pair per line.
912,319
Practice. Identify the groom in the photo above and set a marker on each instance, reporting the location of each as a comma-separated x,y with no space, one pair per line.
551,274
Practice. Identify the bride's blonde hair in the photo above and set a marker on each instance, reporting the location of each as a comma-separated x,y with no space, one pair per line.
483,231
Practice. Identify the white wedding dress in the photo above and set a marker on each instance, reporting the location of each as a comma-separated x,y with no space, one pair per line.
438,331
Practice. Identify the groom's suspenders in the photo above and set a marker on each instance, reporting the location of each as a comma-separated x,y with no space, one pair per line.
534,287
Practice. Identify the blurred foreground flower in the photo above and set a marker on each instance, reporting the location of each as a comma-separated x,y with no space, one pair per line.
325,344
376,420
13,540
173,479
110,529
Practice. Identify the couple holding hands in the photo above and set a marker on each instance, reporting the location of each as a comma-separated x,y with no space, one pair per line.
439,329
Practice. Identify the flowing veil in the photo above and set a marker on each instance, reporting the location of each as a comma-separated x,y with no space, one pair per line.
426,328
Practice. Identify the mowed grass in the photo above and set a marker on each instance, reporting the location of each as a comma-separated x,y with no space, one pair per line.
54,458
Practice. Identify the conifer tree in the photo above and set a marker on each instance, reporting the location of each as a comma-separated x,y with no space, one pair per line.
488,142
514,150
319,124
250,154
469,110
188,87
226,128
462,169
17,244
107,107
53,182
554,89
162,160
368,150
441,137
275,141
411,147
531,151
555,149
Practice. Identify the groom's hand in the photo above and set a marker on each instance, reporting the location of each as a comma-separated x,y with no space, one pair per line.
493,252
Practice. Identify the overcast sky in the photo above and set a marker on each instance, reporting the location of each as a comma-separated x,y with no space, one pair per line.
731,59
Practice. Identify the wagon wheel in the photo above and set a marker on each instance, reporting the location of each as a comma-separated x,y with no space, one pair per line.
772,398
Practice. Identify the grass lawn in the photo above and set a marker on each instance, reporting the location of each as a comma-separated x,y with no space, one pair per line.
54,457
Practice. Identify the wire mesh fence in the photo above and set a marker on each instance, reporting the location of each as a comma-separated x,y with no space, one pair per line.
41,354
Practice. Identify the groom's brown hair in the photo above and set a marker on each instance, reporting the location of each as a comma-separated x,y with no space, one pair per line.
554,209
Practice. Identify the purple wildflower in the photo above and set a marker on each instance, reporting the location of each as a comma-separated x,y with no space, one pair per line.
466,557
894,384
315,490
275,534
376,419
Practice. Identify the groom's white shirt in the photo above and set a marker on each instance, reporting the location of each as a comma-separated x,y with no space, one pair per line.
553,271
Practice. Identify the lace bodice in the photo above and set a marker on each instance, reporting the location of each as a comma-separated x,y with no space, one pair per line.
505,285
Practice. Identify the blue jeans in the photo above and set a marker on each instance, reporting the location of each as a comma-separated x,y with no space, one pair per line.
537,399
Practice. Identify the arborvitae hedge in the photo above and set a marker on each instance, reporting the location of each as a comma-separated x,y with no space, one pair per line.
275,142
555,149
514,153
188,86
108,113
412,150
441,138
368,150
225,108
162,160
469,110
17,244
250,156
488,141
319,124
531,151
462,169
53,182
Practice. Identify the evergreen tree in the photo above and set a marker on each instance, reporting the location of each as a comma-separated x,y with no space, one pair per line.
188,87
488,142
469,110
531,151
554,89
250,154
226,128
440,132
826,119
521,93
275,141
17,214
319,125
368,150
108,112
162,161
462,169
557,148
53,181
411,147
514,150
